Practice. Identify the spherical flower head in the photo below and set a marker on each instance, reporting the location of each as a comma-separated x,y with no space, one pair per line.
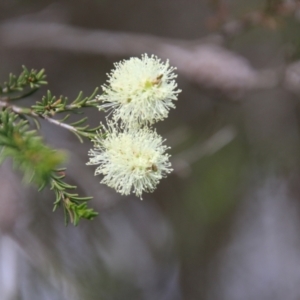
140,91
131,160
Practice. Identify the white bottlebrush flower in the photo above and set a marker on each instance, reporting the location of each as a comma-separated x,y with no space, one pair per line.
140,91
131,160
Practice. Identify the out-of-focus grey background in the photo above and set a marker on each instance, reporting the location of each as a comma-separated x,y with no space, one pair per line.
225,224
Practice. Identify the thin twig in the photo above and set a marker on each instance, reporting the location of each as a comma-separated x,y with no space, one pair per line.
27,111
182,162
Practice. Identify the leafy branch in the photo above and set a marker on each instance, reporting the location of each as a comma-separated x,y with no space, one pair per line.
75,207
38,162
51,105
47,110
30,80
27,149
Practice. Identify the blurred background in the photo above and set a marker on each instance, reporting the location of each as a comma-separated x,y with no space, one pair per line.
225,224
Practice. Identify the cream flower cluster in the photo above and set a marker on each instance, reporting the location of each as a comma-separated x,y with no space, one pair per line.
129,154
140,91
131,160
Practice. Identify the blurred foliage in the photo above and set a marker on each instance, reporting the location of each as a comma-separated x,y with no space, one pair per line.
28,151
211,193
290,36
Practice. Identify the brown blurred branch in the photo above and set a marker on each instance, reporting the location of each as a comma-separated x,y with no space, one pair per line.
203,62
64,37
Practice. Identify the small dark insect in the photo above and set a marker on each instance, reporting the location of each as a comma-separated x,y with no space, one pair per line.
154,168
158,79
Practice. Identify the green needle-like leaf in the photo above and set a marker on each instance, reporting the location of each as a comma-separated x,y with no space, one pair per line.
28,82
75,207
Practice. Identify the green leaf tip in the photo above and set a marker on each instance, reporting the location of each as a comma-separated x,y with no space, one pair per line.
75,207
23,85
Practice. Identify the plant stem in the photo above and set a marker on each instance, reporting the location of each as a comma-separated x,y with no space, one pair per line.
27,111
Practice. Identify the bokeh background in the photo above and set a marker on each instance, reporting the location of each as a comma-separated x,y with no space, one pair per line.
225,224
